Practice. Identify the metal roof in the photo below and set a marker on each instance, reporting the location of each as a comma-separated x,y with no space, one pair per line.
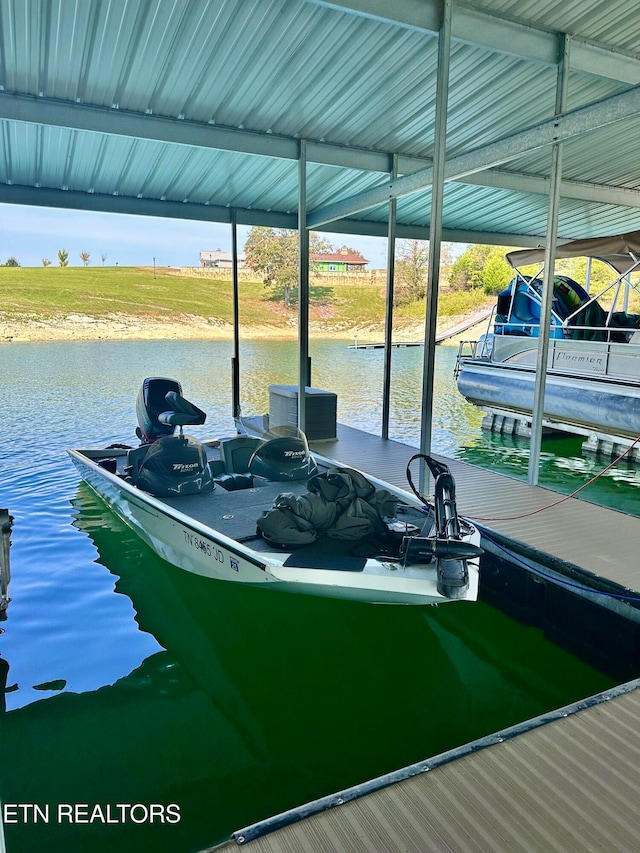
192,108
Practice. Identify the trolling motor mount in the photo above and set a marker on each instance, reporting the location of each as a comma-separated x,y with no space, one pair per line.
446,547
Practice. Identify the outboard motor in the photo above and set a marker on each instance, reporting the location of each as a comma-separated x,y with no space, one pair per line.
283,455
165,464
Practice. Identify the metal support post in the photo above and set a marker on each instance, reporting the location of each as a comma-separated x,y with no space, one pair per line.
542,359
235,361
303,287
435,234
388,317
6,522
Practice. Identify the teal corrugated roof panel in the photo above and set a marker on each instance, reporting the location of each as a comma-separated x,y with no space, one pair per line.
615,22
256,65
202,103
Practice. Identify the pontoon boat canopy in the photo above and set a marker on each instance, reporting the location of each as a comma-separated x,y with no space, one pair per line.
620,251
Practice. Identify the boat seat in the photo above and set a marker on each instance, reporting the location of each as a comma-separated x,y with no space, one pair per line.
236,453
217,467
525,308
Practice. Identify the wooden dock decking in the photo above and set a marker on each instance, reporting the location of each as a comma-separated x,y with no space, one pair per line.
569,781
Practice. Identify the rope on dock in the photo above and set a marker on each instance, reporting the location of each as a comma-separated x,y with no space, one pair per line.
563,499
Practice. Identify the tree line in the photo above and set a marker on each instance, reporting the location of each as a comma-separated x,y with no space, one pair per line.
273,254
63,259
486,268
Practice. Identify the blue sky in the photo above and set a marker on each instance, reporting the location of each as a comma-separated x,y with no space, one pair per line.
32,233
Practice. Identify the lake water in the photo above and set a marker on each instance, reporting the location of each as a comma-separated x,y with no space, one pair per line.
132,683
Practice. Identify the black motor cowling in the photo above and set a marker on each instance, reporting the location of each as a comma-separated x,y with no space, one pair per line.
283,454
175,465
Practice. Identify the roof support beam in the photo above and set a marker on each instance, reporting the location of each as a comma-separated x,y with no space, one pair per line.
558,129
482,29
119,123
581,190
83,117
100,203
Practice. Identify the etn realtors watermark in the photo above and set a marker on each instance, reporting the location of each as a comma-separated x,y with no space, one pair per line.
87,813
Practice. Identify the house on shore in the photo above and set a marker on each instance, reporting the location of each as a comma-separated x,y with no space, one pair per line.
220,260
343,260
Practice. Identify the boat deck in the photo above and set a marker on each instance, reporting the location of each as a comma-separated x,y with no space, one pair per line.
235,513
568,781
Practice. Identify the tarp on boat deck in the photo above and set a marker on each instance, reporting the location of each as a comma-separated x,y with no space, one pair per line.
616,251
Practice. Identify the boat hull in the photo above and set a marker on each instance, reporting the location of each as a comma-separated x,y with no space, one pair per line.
176,538
192,546
587,403
591,386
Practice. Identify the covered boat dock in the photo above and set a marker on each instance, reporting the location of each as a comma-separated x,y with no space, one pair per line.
488,122
484,122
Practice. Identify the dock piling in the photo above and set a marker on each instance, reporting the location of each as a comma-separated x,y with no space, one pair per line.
6,522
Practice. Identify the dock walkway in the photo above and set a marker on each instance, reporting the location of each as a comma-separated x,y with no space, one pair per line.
601,541
568,781
441,335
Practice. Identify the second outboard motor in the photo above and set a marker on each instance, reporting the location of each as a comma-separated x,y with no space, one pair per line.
283,455
168,465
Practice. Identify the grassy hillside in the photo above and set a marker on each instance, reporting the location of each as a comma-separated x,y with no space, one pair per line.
48,293
109,290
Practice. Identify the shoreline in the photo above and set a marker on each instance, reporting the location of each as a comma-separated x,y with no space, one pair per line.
84,327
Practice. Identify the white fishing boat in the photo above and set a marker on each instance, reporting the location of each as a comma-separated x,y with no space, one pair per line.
593,377
262,510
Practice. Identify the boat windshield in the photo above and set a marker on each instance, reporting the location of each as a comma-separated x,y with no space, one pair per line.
283,454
